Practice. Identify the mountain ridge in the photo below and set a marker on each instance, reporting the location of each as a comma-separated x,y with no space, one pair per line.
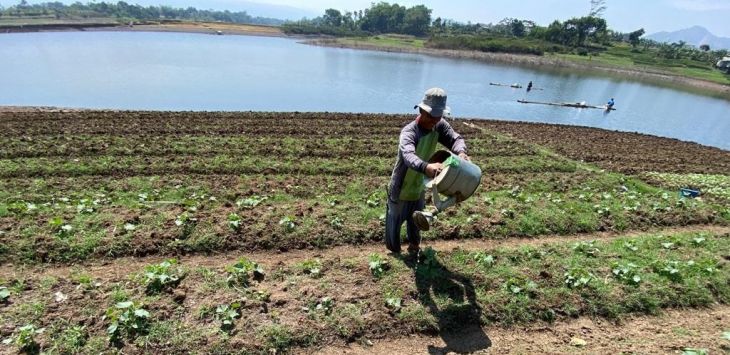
695,35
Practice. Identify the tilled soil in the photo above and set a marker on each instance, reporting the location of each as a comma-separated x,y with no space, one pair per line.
672,332
619,151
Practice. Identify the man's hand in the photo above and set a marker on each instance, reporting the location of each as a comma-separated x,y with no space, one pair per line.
434,169
463,155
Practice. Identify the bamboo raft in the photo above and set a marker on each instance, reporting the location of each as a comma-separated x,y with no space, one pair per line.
567,104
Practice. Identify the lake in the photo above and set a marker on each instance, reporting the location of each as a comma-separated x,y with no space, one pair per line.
179,71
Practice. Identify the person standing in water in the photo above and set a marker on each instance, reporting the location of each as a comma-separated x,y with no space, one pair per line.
417,143
609,104
529,86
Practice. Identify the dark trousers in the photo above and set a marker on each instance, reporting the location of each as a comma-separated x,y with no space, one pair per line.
396,213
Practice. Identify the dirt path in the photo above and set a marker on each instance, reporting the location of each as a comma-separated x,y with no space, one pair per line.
669,333
116,269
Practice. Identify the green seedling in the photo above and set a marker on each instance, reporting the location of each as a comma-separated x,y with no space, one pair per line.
483,259
373,200
726,335
324,305
577,278
668,269
162,276
25,339
61,228
627,273
251,202
517,286
234,221
698,241
187,222
313,267
288,223
378,266
336,222
631,246
126,319
227,315
586,247
394,303
4,294
694,351
242,272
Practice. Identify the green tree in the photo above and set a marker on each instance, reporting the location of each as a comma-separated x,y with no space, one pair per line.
383,17
417,20
517,28
332,17
634,37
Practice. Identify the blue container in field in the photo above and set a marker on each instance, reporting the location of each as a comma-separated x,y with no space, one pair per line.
688,193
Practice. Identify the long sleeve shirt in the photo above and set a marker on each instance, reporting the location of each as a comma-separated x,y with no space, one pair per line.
410,136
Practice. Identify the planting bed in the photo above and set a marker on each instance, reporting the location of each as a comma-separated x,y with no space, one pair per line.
92,203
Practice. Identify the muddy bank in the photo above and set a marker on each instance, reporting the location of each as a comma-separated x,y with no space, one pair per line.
542,63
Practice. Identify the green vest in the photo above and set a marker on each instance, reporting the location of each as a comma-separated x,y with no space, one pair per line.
413,183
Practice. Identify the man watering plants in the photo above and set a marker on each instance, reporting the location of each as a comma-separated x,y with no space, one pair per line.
417,143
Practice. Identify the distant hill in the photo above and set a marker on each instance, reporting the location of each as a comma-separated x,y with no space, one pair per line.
696,36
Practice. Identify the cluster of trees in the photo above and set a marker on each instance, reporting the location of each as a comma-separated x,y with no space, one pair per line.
379,18
125,11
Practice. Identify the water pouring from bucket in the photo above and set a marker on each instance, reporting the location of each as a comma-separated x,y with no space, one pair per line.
457,181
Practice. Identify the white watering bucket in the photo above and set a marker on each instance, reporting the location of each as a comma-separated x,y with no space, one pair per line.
458,180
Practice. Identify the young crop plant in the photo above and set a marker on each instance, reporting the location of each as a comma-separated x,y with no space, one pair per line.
234,221
312,267
431,267
373,200
577,278
336,222
629,245
626,273
126,319
4,294
187,224
378,266
227,315
288,223
242,272
668,269
519,286
483,259
251,202
61,228
394,304
323,306
587,248
162,276
25,339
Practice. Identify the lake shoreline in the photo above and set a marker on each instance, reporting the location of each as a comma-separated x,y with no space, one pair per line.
541,62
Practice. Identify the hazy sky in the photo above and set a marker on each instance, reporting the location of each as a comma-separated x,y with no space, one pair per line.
622,15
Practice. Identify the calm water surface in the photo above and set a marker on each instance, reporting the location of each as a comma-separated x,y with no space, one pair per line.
174,71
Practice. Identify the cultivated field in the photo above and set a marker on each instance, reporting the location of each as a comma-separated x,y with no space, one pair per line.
172,232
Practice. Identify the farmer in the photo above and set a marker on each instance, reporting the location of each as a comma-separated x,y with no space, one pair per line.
417,143
609,104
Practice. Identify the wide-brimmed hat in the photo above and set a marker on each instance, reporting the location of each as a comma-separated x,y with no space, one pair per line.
434,102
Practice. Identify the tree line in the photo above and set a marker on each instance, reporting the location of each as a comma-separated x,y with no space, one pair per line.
125,11
586,35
